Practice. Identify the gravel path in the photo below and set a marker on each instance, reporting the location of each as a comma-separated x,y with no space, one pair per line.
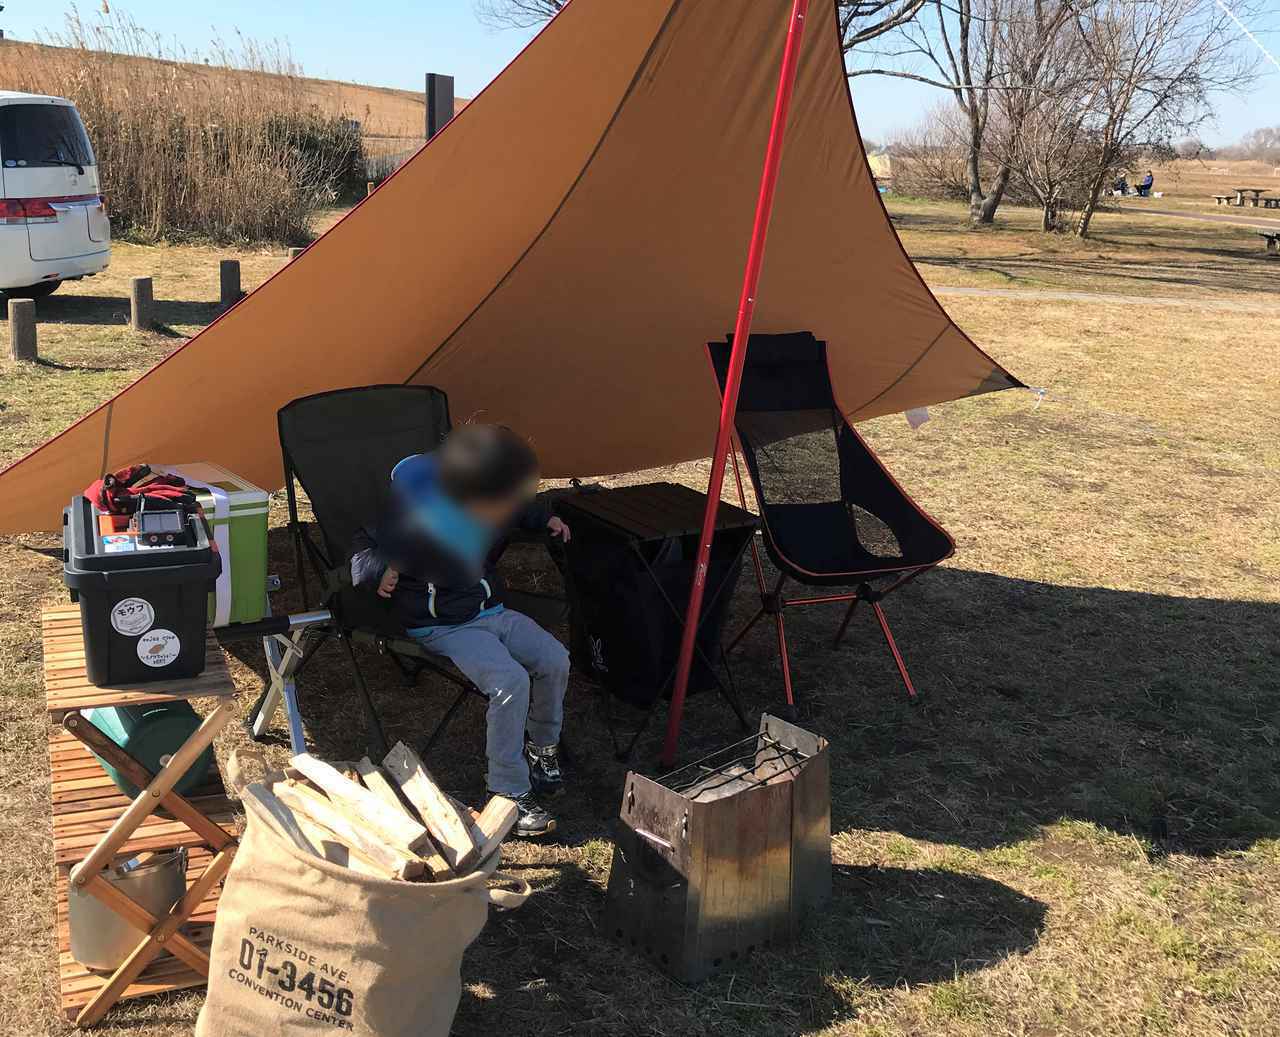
1107,297
1258,222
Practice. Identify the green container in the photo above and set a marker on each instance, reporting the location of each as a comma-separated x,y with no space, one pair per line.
151,734
236,511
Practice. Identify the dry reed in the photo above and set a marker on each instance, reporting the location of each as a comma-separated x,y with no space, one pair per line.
186,150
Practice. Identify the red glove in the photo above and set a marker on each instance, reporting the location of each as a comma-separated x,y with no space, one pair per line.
119,493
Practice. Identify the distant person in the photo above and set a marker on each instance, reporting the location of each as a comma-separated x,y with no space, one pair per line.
1121,186
1145,185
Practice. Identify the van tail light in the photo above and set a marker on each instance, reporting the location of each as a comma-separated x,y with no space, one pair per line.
11,212
27,210
39,210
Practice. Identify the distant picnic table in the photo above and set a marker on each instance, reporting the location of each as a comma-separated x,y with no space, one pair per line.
1257,193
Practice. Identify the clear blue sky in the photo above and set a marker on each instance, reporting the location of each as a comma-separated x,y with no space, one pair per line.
394,42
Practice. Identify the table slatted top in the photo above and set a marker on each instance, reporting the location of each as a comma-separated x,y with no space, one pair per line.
655,511
67,684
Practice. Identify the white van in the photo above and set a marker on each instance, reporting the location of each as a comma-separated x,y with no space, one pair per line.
53,218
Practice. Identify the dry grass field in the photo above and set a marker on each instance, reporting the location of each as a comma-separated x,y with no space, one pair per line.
391,120
1192,183
384,110
1079,833
1128,253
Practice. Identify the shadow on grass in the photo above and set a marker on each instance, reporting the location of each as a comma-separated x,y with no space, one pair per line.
57,366
1144,714
1149,715
1047,267
114,310
549,968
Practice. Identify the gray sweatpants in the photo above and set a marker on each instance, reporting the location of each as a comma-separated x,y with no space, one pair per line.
523,670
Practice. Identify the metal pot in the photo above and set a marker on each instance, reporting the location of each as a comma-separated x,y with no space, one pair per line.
100,938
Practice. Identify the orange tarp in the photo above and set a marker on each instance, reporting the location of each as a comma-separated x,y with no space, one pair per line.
556,258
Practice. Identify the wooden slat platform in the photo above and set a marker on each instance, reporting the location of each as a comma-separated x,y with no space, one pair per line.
67,686
86,803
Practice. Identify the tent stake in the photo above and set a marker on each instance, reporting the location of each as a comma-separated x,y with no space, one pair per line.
738,357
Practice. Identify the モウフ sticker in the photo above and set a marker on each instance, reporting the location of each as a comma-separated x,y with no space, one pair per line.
132,616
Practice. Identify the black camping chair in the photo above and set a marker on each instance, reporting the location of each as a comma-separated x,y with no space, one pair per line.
831,513
340,448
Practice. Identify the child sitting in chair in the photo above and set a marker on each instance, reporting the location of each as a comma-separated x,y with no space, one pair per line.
434,556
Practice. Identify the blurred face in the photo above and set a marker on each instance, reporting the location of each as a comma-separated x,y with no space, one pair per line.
500,512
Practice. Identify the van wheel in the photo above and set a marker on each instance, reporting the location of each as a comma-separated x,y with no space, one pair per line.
33,291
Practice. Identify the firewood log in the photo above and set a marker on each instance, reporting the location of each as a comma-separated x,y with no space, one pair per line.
395,827
377,782
495,823
349,829
448,827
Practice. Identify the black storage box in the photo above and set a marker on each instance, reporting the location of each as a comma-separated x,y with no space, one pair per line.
628,591
144,613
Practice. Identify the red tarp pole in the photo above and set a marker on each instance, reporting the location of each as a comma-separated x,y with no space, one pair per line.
741,334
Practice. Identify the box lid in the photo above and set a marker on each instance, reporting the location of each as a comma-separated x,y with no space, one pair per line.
89,563
238,492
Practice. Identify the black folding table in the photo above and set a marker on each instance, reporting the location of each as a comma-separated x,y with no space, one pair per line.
630,568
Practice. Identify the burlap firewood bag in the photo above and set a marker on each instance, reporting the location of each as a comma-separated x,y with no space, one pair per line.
305,947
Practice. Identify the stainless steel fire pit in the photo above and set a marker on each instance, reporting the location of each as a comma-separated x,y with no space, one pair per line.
726,855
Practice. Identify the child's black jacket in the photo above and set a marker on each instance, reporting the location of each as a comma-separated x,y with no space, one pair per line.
434,589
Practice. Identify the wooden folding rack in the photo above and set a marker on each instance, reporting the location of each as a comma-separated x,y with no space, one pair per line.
93,823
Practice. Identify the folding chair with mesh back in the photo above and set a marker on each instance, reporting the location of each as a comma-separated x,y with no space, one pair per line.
831,514
340,448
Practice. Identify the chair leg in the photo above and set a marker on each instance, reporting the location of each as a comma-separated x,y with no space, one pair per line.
444,720
730,692
745,630
893,647
786,662
373,725
844,625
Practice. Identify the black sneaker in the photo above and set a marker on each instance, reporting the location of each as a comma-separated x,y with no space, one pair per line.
532,822
544,768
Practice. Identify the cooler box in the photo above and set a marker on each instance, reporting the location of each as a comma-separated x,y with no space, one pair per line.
236,511
151,734
144,613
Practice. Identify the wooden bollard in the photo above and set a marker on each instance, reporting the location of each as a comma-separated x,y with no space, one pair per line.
229,292
141,304
294,253
22,329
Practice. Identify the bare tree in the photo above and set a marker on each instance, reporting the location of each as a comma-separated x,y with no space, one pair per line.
862,21
519,14
1190,148
978,51
952,45
1262,145
1156,66
1040,132
929,159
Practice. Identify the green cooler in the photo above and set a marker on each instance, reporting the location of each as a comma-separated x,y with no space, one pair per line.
237,514
151,734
